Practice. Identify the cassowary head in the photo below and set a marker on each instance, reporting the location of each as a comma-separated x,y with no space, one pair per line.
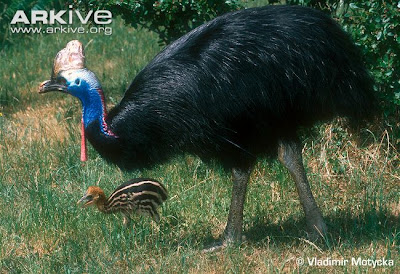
80,83
83,84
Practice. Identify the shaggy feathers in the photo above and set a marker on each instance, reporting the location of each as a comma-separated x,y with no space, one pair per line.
231,88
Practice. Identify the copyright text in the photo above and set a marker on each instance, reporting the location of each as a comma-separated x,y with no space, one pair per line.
353,261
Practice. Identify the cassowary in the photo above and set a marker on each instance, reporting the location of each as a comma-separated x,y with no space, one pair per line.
234,89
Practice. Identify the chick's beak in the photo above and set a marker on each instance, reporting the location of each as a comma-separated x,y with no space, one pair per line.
51,85
86,200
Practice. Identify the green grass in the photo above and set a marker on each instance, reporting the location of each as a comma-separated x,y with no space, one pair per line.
41,179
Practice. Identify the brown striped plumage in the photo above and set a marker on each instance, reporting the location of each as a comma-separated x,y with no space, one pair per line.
142,196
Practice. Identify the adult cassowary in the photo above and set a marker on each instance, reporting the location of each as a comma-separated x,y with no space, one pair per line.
233,89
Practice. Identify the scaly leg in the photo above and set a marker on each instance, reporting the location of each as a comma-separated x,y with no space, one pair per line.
289,153
233,230
234,226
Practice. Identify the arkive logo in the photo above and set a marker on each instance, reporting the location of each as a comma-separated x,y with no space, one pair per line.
101,17
62,18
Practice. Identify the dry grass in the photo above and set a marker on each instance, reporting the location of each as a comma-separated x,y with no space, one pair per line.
33,124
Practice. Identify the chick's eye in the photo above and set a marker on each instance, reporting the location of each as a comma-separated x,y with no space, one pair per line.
78,81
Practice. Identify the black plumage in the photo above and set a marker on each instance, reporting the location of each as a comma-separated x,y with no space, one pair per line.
230,89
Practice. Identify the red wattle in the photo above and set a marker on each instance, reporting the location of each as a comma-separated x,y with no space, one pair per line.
83,143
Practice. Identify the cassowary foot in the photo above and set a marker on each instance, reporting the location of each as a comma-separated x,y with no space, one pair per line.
214,247
316,229
233,236
224,242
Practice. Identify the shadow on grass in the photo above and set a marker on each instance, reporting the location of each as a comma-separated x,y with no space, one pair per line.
343,227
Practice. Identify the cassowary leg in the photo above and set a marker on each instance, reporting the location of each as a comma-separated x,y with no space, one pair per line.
289,153
233,230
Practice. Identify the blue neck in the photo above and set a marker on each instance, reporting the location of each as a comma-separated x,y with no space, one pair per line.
94,109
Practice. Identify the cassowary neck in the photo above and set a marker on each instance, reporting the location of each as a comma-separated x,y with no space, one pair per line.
94,110
97,128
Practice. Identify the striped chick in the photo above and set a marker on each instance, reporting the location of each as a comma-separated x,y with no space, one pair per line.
142,196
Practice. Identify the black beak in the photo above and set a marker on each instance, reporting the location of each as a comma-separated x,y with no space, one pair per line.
51,85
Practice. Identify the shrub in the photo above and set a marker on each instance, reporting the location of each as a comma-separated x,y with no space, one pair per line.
375,25
168,18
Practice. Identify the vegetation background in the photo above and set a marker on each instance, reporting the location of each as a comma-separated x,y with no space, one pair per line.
355,176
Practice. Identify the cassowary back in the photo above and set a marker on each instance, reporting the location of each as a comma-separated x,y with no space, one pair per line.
232,87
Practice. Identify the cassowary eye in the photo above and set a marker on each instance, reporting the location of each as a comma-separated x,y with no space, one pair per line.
78,81
61,80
